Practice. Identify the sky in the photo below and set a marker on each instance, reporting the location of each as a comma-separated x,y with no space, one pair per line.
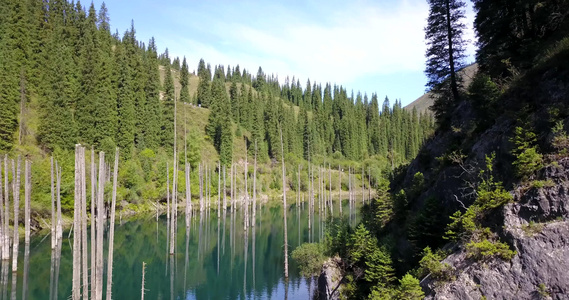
367,46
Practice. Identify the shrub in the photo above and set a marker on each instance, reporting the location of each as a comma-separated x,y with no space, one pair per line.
431,264
409,288
487,249
528,159
310,257
560,139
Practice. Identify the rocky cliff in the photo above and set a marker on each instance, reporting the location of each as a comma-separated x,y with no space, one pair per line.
536,223
536,226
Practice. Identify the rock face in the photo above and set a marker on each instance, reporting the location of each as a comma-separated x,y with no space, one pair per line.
329,280
536,225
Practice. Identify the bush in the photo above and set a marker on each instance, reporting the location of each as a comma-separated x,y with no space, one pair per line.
528,159
310,257
486,249
409,288
431,264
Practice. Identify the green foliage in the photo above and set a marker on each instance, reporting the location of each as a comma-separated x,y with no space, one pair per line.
484,93
511,35
365,253
561,139
490,195
427,228
528,159
431,264
542,290
409,288
487,249
309,257
336,237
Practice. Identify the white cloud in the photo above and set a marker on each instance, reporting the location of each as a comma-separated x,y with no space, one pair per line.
347,43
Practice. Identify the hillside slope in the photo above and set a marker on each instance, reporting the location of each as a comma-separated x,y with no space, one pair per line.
534,223
423,103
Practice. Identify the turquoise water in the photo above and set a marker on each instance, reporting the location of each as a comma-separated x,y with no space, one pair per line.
215,259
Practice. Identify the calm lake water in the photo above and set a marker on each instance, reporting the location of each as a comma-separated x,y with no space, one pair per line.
215,259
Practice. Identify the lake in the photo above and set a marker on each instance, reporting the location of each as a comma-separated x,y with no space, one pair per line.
215,259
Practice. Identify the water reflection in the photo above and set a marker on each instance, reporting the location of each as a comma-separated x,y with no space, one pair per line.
200,268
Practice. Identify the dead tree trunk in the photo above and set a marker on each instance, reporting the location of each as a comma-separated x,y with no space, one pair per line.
59,226
188,195
6,214
142,289
27,197
52,189
330,195
2,229
167,191
100,212
284,207
76,281
93,224
16,197
219,190
253,221
84,249
112,227
340,188
201,187
246,204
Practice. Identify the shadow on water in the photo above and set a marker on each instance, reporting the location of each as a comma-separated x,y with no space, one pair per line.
201,268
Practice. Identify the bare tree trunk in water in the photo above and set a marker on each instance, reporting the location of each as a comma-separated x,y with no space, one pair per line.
112,227
76,281
52,189
200,171
340,187
16,197
284,208
27,197
2,228
231,188
6,218
224,194
219,190
330,180
100,213
188,195
174,185
84,249
167,191
59,227
93,224
246,203
253,220
142,289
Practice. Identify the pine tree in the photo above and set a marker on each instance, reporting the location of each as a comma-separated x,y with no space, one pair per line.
149,106
445,54
219,122
234,98
184,83
8,83
89,102
125,103
204,91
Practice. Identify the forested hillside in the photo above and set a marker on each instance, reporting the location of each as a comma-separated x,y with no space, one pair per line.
67,79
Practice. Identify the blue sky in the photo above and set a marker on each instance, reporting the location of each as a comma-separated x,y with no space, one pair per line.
368,46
